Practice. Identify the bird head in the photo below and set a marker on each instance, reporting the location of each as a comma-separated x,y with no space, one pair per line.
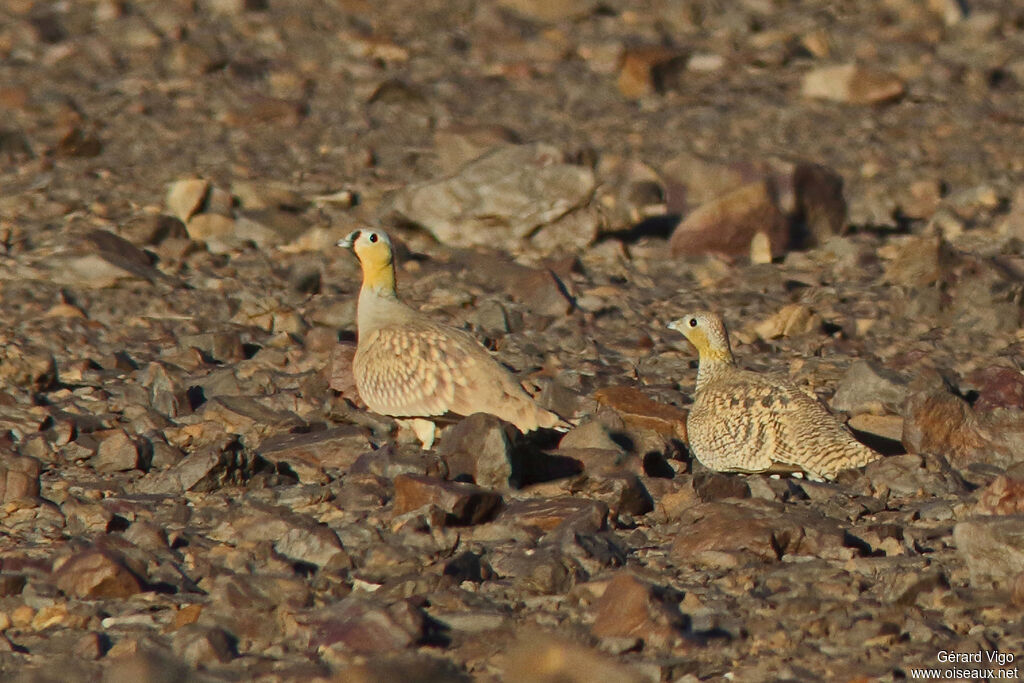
706,332
373,249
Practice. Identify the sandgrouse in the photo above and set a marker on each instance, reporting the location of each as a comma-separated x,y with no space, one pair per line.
407,365
743,421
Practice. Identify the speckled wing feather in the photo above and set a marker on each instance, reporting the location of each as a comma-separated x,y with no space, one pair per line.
411,369
746,422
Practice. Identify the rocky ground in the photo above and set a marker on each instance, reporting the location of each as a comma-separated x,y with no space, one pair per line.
191,490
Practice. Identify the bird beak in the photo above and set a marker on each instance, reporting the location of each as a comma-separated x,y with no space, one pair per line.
350,240
674,325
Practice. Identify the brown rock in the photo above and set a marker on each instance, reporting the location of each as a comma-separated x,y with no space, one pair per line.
550,10
727,225
632,608
293,535
463,503
480,447
640,412
541,657
185,197
208,226
998,387
644,69
760,528
1017,591
203,645
791,320
19,477
623,492
207,469
116,453
97,573
357,625
938,421
920,262
247,416
499,198
820,208
418,668
852,84
869,387
582,514
79,142
992,547
308,455
888,427
339,372
1003,496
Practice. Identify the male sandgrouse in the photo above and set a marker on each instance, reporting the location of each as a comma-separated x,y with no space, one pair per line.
743,421
407,365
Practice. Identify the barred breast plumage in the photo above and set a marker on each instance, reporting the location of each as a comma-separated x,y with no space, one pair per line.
743,421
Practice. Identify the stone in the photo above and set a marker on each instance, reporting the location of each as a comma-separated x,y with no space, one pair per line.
582,515
754,528
464,504
185,197
710,486
550,11
920,261
499,198
480,447
401,667
997,387
296,536
1003,496
116,453
726,225
29,366
151,230
205,227
339,372
247,416
204,470
820,209
203,645
992,548
11,584
360,626
97,573
938,421
458,145
546,570
632,608
543,657
622,492
889,427
852,84
789,321
310,454
640,412
468,566
647,70
867,387
912,476
19,477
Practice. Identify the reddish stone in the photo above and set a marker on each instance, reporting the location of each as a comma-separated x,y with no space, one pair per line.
640,412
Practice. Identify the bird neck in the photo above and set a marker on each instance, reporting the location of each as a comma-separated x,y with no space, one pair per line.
713,363
379,278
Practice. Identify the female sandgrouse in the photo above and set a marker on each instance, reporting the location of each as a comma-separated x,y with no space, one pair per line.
743,421
407,365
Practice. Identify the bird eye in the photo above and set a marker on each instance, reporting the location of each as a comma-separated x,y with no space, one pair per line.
373,237
693,322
